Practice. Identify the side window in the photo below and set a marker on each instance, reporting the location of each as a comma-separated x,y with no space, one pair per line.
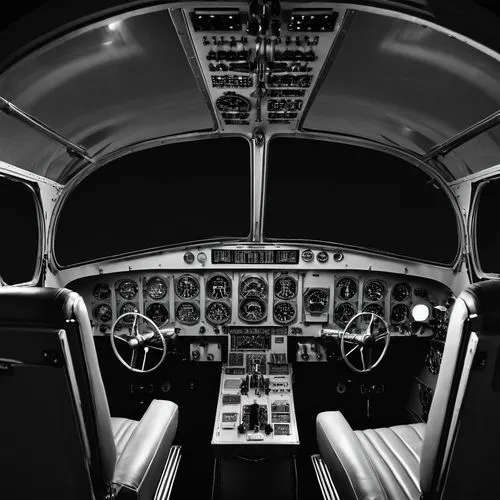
488,227
19,232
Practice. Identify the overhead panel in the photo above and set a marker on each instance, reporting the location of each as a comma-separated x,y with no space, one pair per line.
260,66
107,86
403,83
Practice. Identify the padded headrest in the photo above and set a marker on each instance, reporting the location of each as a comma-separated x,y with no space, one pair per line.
36,306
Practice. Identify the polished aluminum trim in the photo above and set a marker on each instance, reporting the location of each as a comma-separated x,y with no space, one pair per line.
462,137
167,479
77,401
324,479
72,148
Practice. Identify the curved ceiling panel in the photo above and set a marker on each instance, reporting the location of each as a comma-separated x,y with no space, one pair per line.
402,83
106,87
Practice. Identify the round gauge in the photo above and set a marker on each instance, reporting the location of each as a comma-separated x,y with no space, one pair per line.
103,312
158,313
156,288
375,290
322,257
375,309
218,313
252,310
128,307
187,313
401,291
400,313
218,287
307,255
253,287
343,313
187,287
102,291
285,288
347,288
316,300
284,312
233,103
128,289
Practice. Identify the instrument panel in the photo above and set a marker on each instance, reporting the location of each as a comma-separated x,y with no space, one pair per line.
304,302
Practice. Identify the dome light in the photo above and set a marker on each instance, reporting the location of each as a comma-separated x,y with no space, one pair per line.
420,312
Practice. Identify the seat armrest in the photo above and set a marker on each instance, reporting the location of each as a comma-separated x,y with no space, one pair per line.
355,478
143,458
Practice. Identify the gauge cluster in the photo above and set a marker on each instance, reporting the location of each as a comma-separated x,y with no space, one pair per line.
301,302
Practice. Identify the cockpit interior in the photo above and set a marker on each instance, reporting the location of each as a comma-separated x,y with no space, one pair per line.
249,250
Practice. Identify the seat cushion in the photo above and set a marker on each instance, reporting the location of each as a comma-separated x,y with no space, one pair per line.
122,430
142,450
374,463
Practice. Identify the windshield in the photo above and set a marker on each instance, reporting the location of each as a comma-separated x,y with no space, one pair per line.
179,193
328,192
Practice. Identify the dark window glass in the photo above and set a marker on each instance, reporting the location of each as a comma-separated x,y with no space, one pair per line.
19,232
174,194
487,228
323,191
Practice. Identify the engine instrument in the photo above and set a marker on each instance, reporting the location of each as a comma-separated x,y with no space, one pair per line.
252,310
343,313
128,307
232,102
253,286
400,313
316,300
347,288
187,287
375,290
218,313
158,313
375,309
284,312
128,289
103,312
102,291
156,288
218,287
187,313
401,291
285,287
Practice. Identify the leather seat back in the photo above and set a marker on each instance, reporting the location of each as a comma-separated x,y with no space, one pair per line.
55,426
461,452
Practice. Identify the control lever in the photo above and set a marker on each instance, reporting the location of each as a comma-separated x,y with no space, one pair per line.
254,416
305,354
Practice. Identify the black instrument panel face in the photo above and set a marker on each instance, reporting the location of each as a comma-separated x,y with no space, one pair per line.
296,302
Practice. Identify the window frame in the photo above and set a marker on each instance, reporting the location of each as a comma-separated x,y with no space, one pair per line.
477,190
38,275
114,156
